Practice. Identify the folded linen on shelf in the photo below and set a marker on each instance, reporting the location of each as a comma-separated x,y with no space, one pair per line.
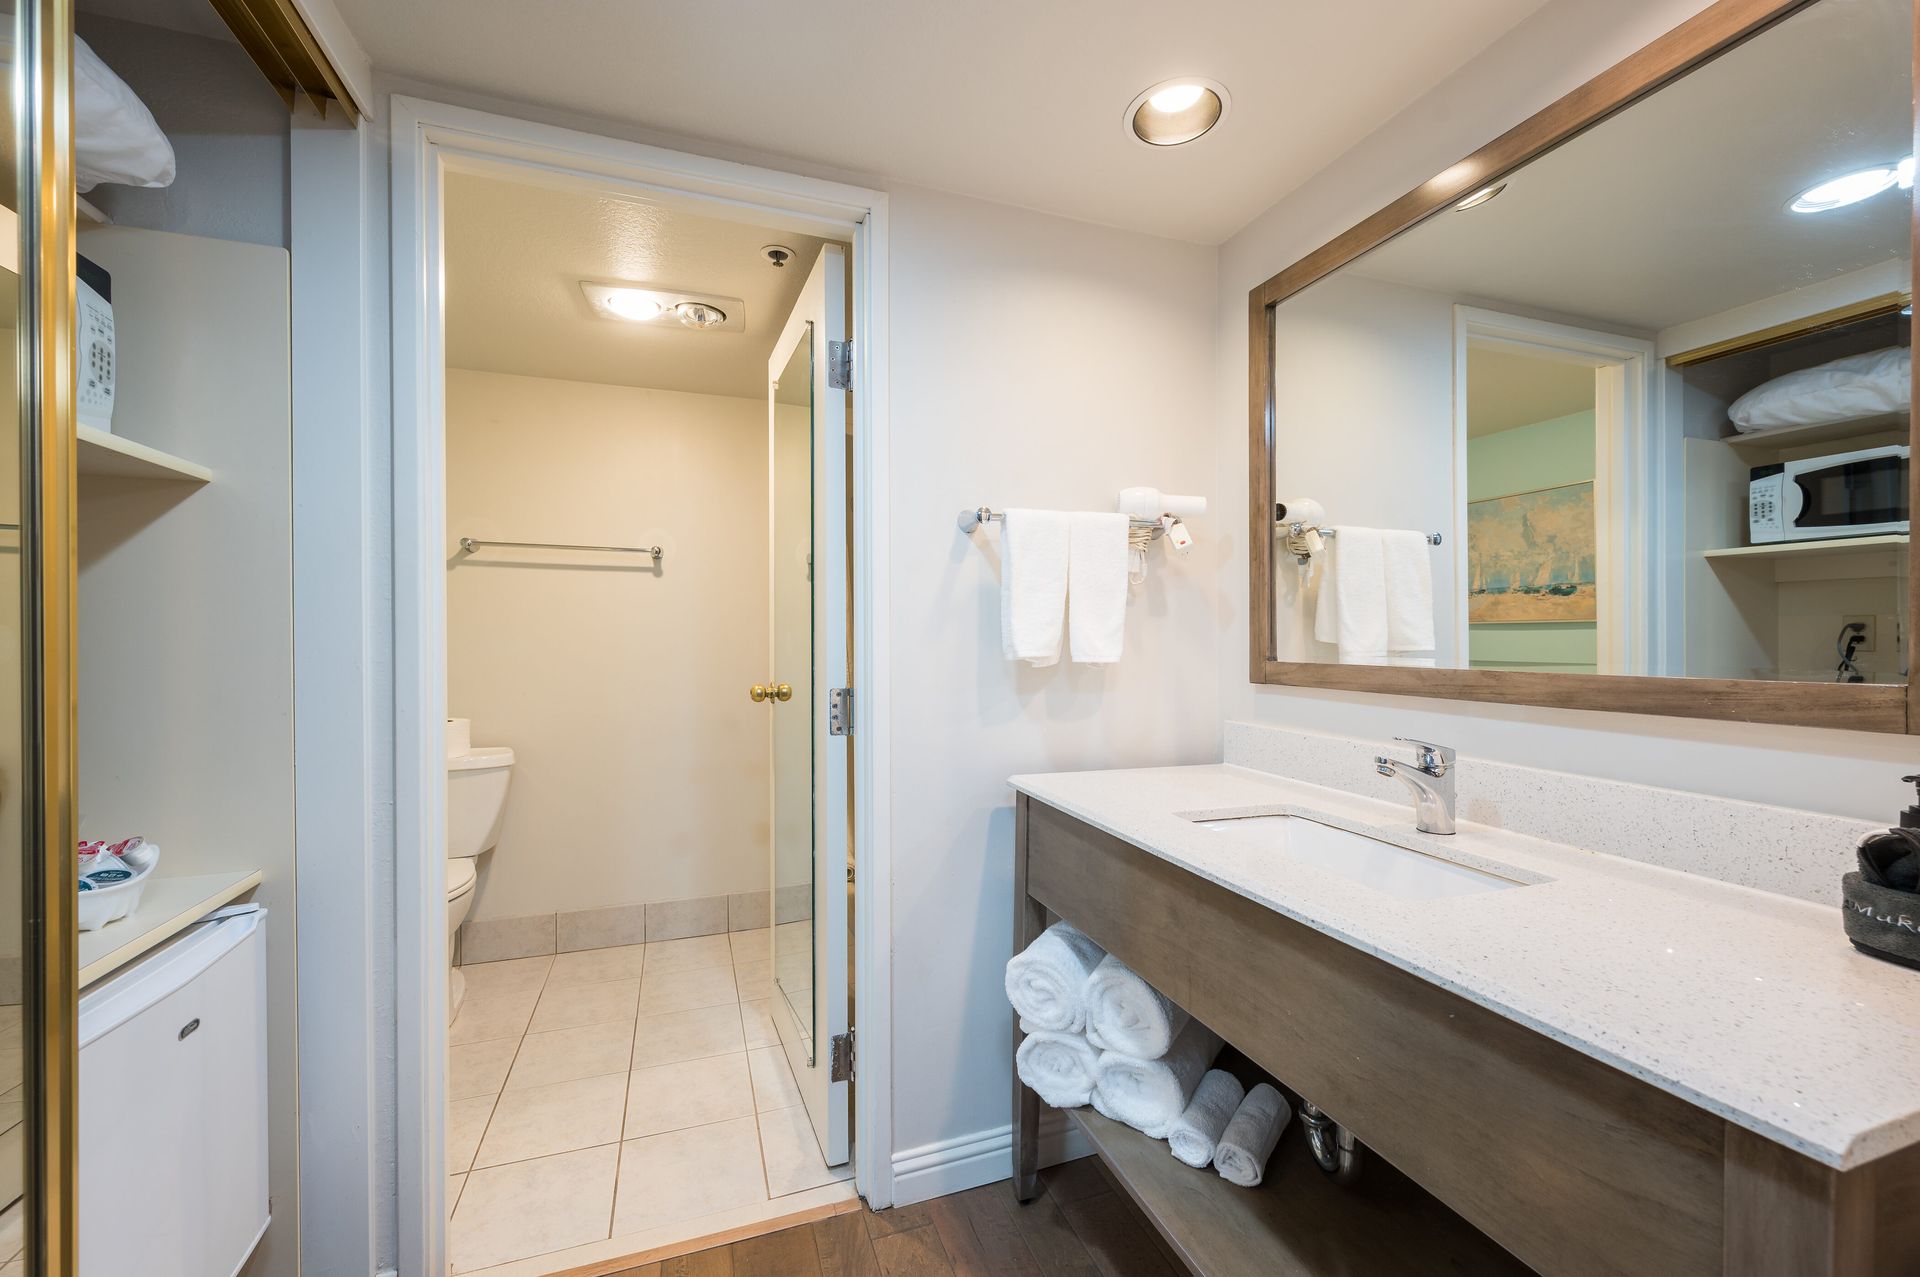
1047,981
1128,1015
1244,1147
1150,1095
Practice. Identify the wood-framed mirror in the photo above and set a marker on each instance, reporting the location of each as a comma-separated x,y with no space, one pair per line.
1615,413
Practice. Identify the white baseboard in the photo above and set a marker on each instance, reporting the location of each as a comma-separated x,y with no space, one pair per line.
968,1161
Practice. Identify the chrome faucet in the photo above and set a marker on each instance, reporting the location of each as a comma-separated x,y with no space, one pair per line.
1430,777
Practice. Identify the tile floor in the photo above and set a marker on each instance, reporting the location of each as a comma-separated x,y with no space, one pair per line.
613,1091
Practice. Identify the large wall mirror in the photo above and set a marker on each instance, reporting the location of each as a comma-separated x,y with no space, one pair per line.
1616,413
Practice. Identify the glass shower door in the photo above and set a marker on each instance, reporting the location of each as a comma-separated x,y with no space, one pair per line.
808,608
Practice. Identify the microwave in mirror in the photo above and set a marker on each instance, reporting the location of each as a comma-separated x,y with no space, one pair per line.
1640,407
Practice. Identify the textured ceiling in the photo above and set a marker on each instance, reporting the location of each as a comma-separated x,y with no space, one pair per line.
516,254
1676,208
1505,390
1003,99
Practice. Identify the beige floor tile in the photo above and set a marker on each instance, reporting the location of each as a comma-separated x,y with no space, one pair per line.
565,1054
542,1120
454,1184
685,990
752,946
756,1018
491,1014
479,1068
753,979
466,1123
668,1097
512,973
686,955
593,966
773,1084
531,1208
687,1035
568,1006
686,1174
792,1153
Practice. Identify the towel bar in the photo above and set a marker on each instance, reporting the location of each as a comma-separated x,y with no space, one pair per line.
971,519
1295,529
471,545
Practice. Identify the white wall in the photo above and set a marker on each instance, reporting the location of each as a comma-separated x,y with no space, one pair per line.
1561,46
1035,361
640,766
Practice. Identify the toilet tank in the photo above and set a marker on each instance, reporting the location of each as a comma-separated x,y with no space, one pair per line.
476,799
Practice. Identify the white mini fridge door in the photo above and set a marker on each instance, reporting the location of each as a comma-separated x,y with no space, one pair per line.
173,1107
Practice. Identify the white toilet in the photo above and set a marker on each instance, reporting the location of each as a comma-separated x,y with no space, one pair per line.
476,804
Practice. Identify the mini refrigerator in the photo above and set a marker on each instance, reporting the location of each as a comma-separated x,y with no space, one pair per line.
173,1107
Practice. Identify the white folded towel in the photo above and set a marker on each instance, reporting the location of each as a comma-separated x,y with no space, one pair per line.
1149,1095
1244,1147
1128,1015
1058,1067
1409,585
1047,981
1195,1133
1033,585
1097,586
1352,613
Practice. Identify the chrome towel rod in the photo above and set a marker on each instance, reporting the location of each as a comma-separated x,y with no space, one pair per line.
471,545
1295,529
971,519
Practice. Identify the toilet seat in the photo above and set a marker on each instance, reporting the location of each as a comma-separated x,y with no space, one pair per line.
460,877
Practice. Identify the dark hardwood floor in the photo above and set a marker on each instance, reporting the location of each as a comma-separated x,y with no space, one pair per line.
1079,1225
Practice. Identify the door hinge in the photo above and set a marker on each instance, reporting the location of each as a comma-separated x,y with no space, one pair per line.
840,1057
840,365
840,711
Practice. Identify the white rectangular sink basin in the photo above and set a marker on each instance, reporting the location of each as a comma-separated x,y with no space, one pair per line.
1394,871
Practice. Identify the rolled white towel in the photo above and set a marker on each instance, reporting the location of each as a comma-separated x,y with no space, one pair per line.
1128,1015
1244,1147
1047,981
1195,1133
1058,1067
1149,1095
1100,1104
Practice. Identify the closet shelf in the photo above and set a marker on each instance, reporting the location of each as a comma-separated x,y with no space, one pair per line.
103,453
1794,436
1810,549
167,907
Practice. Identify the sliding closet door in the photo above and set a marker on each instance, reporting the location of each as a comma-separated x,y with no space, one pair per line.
37,575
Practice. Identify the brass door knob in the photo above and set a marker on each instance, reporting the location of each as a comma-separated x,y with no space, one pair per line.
758,692
783,692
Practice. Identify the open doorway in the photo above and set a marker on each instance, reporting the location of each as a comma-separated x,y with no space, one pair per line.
646,963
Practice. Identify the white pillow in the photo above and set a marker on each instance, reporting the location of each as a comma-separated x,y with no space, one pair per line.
1856,386
115,137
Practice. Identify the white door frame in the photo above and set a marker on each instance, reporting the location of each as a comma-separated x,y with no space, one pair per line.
427,137
1629,468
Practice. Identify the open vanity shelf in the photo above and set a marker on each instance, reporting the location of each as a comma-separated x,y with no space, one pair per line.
103,453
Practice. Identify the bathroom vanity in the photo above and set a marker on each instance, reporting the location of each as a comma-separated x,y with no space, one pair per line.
1586,1065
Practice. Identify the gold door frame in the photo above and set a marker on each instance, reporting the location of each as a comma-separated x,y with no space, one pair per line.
48,560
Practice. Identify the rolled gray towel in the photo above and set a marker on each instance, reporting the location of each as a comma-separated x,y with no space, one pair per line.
1247,1143
1195,1133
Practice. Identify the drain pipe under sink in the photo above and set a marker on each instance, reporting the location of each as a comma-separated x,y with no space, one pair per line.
1333,1145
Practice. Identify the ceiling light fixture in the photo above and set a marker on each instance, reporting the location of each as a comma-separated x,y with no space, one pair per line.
1176,111
635,305
700,315
1479,197
1851,188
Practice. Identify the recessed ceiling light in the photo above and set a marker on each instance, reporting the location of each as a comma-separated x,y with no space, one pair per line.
700,315
1851,188
1479,197
1176,111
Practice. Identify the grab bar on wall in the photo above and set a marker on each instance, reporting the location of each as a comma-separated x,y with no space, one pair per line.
471,545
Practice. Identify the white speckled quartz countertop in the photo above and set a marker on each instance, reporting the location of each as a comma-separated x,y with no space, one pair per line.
1751,1005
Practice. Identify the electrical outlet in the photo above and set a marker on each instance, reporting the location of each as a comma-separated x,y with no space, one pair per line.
1867,634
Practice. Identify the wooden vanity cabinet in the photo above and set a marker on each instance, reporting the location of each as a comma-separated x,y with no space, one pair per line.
1571,1166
